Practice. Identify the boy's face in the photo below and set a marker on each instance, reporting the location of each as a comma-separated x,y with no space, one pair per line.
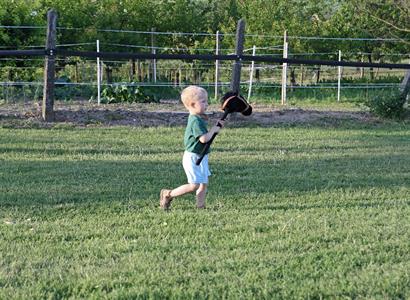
199,107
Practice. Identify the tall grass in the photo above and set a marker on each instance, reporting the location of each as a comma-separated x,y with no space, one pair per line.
293,212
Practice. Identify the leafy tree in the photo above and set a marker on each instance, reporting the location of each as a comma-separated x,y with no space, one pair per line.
362,19
84,21
21,13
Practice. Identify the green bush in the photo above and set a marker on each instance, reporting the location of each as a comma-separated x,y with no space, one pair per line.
387,105
124,93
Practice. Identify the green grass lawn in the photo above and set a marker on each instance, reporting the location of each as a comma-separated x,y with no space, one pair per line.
293,212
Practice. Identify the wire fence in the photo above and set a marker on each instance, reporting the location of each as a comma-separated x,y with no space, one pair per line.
77,78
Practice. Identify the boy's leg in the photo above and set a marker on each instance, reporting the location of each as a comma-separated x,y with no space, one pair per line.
184,189
201,195
166,196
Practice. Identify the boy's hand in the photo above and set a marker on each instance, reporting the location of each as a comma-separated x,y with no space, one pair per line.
219,125
214,129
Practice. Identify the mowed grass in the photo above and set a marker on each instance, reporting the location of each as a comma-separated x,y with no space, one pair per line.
293,212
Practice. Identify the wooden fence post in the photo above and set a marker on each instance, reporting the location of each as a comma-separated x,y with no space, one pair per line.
236,67
49,67
405,85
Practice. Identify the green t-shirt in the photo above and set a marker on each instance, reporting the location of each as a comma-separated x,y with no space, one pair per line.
195,128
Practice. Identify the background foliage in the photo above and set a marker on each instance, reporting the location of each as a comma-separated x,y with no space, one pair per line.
324,18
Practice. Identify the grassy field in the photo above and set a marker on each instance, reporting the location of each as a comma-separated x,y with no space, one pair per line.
293,212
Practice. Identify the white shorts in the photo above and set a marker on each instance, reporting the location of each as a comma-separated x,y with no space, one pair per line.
194,173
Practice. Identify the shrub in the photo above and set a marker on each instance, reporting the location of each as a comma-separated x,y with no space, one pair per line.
123,93
387,105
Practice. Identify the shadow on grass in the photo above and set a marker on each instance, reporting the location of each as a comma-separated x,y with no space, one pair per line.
27,183
90,143
52,152
355,204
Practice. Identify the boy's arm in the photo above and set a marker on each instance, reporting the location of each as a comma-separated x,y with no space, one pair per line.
215,129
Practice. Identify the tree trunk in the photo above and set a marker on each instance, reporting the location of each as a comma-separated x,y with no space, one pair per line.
362,69
292,78
108,69
77,79
11,75
139,71
370,69
132,70
177,78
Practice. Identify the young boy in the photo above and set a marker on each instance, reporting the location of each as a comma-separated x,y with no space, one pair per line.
195,99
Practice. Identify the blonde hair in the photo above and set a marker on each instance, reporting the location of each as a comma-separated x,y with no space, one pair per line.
193,94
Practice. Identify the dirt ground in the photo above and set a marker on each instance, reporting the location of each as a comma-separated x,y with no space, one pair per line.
167,113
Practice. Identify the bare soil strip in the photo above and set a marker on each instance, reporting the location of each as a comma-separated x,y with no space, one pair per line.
166,114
